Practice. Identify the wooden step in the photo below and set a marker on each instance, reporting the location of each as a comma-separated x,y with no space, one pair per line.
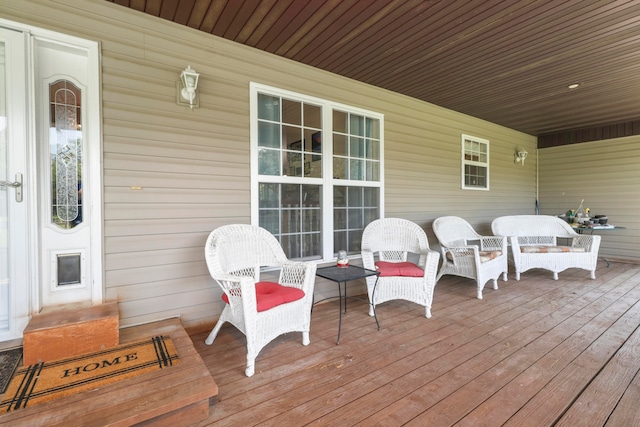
70,330
179,396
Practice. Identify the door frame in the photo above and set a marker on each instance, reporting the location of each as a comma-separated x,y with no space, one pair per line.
93,156
18,303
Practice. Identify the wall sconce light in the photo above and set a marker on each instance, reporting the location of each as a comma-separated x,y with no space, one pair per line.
520,156
187,86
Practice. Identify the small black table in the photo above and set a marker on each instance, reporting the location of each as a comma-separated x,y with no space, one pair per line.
343,275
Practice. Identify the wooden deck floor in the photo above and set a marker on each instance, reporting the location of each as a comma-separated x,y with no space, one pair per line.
537,352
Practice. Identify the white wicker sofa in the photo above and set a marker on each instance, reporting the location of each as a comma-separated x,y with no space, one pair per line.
533,240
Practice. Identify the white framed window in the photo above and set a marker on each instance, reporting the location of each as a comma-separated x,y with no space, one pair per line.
316,171
475,163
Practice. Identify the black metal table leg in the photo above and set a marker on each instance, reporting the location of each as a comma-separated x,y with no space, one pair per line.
345,308
373,299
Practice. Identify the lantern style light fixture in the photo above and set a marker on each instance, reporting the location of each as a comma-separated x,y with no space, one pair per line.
187,87
520,156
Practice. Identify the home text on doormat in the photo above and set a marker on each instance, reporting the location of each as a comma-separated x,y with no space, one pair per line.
51,380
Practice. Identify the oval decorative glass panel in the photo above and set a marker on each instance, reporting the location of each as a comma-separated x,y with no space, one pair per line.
65,142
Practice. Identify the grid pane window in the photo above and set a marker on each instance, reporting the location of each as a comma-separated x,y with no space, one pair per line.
356,147
292,213
353,209
289,137
295,138
475,163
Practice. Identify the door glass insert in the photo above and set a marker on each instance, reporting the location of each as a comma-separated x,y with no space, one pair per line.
65,139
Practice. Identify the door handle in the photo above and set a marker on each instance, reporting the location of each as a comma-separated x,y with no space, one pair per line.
17,184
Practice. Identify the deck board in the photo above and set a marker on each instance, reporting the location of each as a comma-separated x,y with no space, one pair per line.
587,324
596,403
522,356
498,408
536,352
403,395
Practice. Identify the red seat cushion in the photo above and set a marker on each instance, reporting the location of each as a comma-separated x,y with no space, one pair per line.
270,294
405,269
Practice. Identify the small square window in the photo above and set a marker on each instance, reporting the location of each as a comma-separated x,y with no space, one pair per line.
475,163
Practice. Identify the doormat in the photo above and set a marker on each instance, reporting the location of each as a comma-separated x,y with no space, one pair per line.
9,360
51,380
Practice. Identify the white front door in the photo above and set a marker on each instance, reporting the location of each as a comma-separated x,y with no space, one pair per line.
14,203
51,142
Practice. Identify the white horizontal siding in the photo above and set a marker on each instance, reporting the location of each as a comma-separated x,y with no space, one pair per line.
192,166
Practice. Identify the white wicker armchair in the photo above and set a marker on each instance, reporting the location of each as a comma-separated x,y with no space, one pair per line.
392,240
468,254
234,255
533,241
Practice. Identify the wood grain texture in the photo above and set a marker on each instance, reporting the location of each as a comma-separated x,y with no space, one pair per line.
530,353
187,385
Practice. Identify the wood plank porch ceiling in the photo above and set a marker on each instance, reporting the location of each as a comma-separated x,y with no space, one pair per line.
509,62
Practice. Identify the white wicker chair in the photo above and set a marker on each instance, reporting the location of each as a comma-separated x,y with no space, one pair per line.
234,255
392,240
483,261
533,241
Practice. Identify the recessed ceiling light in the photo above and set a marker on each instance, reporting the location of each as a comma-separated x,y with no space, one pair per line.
573,86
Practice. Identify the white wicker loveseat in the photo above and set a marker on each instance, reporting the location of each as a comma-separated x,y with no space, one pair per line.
533,240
